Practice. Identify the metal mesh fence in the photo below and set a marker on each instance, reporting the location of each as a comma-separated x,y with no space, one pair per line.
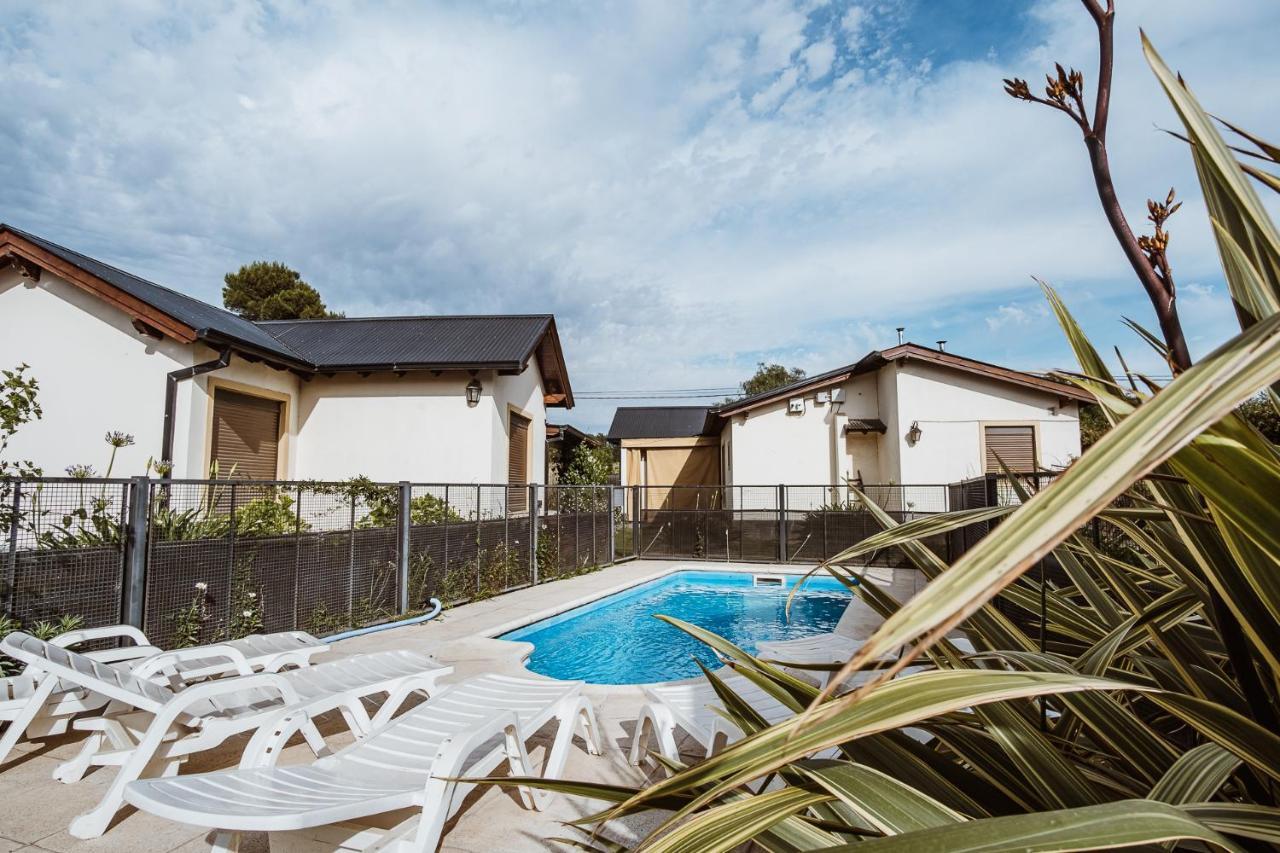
227,559
797,524
64,549
220,559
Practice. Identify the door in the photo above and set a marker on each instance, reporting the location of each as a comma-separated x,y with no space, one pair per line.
246,436
518,463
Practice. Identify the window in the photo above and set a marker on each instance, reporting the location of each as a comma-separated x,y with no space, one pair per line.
518,463
1015,445
246,436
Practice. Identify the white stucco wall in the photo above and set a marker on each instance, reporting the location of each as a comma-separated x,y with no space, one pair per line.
95,373
417,427
952,407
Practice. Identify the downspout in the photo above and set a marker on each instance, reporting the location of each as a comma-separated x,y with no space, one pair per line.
171,397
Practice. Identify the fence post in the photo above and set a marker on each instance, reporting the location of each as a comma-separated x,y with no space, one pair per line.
635,520
134,586
403,523
613,540
782,523
11,563
532,511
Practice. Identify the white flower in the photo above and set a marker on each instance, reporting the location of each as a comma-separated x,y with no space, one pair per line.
201,585
253,595
247,614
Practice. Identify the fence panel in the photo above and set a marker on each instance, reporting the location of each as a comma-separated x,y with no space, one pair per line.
226,558
63,550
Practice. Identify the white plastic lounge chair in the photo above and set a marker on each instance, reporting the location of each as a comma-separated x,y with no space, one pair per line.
149,728
265,652
690,705
467,729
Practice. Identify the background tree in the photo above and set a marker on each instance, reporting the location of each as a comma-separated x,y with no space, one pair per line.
268,290
1065,92
769,376
18,405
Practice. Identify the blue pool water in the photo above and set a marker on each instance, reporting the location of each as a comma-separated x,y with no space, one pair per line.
617,640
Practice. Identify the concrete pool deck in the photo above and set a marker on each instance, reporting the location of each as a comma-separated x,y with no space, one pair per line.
35,810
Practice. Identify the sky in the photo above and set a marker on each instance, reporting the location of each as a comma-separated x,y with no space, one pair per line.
690,187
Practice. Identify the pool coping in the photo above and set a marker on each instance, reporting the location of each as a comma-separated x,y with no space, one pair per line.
493,633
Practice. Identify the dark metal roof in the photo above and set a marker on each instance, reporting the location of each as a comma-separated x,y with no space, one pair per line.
865,425
201,316
662,422
498,342
561,432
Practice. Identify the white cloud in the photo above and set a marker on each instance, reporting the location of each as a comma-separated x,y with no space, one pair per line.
818,58
672,180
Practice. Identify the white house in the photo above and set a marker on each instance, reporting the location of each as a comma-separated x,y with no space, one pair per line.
426,399
909,415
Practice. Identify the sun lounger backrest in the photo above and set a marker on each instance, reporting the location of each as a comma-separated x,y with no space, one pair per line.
115,683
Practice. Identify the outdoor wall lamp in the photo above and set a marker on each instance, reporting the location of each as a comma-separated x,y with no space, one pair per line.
914,434
473,392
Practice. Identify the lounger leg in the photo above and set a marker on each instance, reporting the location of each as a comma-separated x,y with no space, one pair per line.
74,770
224,841
314,739
94,822
657,721
590,728
30,711
518,762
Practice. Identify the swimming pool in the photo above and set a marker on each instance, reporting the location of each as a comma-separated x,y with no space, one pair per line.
617,640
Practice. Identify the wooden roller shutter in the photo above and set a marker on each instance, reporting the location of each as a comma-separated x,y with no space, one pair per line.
518,463
1015,445
246,436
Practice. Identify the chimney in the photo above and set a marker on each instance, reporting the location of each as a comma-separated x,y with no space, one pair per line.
901,329
942,346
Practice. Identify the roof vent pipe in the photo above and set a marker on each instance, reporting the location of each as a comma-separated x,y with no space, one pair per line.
942,346
171,398
901,329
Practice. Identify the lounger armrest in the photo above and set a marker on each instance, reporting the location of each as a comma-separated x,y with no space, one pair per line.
82,635
158,663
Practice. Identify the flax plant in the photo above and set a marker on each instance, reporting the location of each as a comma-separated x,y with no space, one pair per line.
1146,713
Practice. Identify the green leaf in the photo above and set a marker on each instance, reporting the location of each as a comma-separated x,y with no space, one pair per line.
878,798
1122,824
1244,819
1196,775
725,827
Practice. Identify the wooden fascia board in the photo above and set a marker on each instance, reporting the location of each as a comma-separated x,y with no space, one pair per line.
691,441
109,293
550,342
